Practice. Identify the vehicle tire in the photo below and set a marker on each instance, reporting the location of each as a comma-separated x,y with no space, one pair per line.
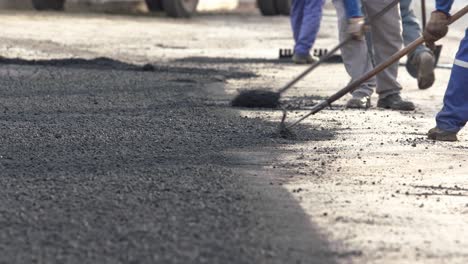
180,8
267,7
155,5
48,4
283,6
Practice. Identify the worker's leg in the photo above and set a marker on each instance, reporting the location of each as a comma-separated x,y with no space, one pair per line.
454,114
387,40
311,18
297,9
411,27
421,60
355,56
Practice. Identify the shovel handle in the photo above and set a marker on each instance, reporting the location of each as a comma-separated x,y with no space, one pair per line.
379,68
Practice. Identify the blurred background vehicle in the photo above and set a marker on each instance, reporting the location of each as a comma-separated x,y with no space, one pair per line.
179,8
274,7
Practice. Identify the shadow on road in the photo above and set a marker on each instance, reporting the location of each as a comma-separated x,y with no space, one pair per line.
136,168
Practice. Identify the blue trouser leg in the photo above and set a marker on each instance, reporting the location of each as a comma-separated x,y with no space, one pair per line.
305,19
411,27
297,12
454,114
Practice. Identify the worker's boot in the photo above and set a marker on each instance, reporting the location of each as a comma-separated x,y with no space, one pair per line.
302,59
441,135
395,102
425,64
359,101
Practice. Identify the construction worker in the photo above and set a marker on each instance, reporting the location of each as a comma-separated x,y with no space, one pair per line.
421,60
454,114
306,16
387,40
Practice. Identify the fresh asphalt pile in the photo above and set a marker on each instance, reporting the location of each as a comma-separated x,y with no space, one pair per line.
119,165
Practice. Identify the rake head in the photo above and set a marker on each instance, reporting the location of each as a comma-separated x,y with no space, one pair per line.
257,99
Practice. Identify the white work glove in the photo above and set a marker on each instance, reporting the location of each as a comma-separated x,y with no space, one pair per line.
356,28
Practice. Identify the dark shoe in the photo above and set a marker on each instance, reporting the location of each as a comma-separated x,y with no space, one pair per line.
395,102
303,59
441,135
359,101
425,63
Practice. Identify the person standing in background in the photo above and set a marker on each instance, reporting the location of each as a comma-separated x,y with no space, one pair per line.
306,16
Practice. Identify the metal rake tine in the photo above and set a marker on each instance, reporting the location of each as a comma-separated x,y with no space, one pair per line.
285,113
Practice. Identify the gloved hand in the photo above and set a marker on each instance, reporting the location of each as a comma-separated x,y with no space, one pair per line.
436,29
356,28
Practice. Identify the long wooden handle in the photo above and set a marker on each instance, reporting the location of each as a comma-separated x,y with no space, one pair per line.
458,15
314,65
379,68
423,14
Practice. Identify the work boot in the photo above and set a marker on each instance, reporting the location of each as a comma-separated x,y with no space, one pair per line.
425,64
302,59
441,135
395,102
359,101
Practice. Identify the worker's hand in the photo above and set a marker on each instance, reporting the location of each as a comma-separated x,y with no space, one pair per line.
437,28
356,28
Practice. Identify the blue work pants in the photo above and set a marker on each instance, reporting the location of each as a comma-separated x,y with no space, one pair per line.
306,16
454,114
